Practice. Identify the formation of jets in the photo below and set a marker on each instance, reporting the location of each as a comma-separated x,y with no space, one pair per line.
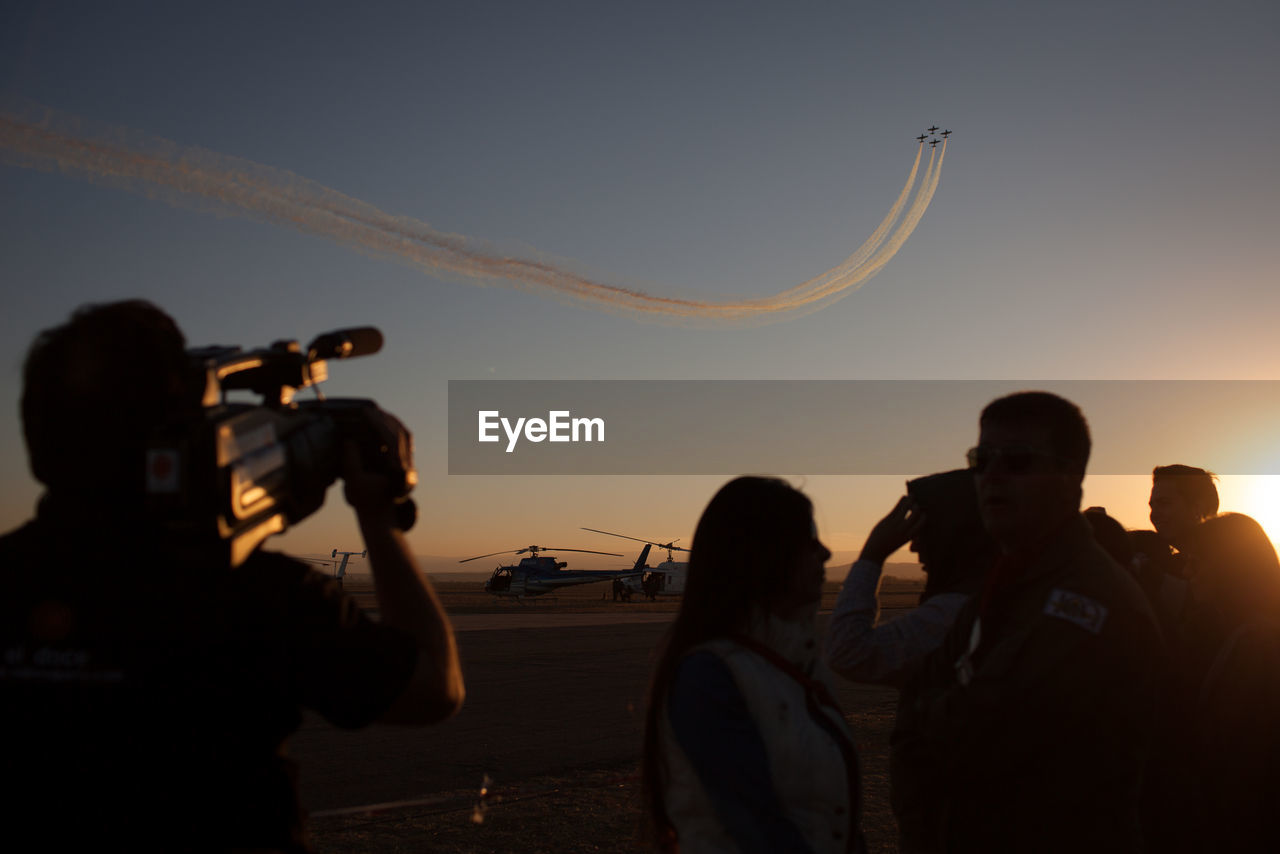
933,143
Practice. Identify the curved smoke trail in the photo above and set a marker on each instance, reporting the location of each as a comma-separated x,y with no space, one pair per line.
844,280
832,278
184,176
928,186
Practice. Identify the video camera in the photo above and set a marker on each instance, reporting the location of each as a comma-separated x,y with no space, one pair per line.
236,473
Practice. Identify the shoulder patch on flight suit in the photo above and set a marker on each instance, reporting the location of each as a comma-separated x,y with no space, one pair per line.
1086,613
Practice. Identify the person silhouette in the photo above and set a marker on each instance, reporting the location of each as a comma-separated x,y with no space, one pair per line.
744,747
939,517
1028,728
149,688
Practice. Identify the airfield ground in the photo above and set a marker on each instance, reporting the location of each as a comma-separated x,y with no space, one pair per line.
553,720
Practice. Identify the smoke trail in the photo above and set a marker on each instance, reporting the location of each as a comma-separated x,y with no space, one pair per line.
928,186
832,278
189,176
839,281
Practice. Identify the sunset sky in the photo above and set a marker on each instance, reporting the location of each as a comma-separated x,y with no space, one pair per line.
1108,210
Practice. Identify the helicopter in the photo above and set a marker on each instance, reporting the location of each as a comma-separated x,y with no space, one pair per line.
340,568
536,575
666,579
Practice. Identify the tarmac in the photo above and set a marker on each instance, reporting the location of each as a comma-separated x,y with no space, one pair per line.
534,620
547,693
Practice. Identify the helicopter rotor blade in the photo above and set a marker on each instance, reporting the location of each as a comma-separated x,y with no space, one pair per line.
624,536
584,551
491,554
535,550
670,546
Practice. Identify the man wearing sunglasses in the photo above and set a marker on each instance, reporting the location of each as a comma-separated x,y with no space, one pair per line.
1029,727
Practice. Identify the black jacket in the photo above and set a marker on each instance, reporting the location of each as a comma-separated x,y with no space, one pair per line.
1044,748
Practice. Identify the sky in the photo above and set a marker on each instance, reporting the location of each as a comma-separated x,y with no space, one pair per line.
1107,210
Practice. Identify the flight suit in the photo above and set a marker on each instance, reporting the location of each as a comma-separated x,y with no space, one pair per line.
1034,738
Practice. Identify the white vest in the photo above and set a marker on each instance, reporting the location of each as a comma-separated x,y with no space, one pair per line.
806,761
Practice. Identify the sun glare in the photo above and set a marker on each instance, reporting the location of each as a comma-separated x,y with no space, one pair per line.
1259,497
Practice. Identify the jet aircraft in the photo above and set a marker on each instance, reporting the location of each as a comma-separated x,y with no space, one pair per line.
536,575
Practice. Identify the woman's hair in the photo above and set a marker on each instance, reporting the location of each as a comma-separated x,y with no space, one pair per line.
1237,550
744,550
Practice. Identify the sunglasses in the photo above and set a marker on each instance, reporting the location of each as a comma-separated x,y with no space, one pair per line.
1014,460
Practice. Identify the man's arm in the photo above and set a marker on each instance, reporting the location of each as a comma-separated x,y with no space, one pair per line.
860,650
856,648
406,600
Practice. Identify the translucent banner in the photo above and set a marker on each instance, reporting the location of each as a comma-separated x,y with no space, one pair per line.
897,427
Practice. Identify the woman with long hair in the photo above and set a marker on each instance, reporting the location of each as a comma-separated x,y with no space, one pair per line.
1235,701
1240,579
1214,784
745,749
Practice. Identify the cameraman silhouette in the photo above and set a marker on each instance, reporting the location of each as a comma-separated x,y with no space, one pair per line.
147,690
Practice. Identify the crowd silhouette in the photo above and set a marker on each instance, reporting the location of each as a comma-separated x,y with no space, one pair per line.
1064,684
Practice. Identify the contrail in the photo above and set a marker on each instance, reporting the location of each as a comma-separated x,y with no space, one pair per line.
839,273
191,176
909,222
841,281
